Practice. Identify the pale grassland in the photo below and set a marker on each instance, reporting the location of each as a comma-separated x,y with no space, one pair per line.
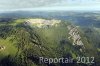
43,22
18,21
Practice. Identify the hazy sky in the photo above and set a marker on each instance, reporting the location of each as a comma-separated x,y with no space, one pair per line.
49,5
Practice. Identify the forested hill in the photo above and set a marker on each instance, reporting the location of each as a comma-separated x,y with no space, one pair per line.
23,41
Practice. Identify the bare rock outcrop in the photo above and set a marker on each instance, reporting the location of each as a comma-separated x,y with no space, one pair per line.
2,48
75,36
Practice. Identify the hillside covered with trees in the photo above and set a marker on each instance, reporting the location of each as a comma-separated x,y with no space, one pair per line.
23,42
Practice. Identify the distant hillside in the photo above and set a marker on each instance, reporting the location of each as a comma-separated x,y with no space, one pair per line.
78,18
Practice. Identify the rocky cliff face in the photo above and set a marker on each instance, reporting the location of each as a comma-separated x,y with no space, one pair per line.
75,36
